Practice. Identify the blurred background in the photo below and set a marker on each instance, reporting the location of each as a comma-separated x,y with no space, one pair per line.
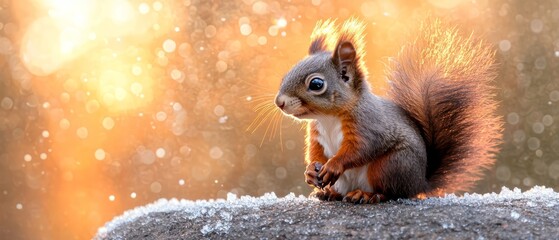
106,105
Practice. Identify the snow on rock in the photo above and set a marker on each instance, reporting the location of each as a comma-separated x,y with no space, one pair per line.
472,215
202,208
536,195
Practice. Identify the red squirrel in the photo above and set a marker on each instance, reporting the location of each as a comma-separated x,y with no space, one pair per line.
435,132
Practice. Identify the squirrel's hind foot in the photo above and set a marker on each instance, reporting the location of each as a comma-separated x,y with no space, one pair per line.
361,197
326,194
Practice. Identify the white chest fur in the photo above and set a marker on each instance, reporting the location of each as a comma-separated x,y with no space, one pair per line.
331,137
330,134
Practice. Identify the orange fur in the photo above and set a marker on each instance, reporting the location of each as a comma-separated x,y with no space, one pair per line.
314,151
442,80
348,155
374,172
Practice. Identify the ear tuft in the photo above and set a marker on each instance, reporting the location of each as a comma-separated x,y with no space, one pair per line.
323,36
350,47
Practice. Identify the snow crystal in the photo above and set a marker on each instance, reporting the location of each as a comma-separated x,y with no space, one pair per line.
447,225
231,197
515,215
219,227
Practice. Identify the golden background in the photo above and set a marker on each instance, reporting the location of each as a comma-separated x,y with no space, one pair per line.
110,104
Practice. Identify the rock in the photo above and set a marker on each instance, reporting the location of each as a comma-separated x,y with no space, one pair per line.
507,215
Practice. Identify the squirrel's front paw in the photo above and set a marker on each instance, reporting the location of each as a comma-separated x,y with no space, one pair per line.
330,173
311,174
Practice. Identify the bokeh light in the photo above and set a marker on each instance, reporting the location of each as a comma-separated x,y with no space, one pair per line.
110,104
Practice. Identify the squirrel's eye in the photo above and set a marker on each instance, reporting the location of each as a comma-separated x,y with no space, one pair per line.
316,84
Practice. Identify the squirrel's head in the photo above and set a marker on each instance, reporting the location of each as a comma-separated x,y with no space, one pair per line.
331,78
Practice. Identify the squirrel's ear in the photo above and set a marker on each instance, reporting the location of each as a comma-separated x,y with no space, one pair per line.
350,50
323,36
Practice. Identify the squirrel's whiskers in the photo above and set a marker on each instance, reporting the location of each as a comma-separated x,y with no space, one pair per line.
268,115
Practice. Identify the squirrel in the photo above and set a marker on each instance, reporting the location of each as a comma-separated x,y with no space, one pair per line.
435,132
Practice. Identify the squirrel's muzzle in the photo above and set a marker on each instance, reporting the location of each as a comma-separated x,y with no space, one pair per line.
291,106
280,102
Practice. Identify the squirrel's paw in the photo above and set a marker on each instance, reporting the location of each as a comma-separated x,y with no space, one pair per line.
359,197
330,172
326,194
311,174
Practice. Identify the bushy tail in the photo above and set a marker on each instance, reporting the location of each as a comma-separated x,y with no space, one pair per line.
442,81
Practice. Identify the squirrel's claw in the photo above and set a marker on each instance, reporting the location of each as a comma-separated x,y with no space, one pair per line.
311,175
360,197
330,173
327,194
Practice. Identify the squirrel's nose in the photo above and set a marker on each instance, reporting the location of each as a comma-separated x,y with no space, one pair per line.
280,103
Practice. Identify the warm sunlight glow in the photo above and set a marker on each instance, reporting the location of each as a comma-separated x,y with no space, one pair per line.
120,90
52,41
75,12
121,11
73,27
448,4
42,49
106,105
